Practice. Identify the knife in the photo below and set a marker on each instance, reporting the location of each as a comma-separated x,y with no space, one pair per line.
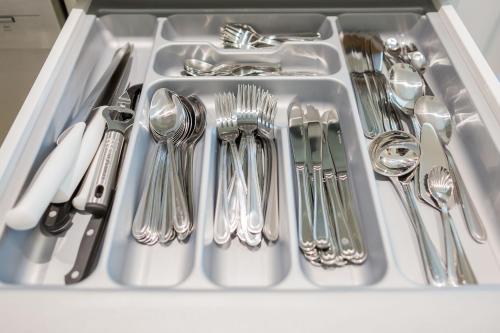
337,150
297,141
321,219
100,206
339,219
432,155
58,215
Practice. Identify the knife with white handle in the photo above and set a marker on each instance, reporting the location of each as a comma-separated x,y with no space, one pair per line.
31,207
90,144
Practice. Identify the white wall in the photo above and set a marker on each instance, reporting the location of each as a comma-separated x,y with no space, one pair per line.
482,18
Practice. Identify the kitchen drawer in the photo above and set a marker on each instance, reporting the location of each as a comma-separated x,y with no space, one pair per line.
199,286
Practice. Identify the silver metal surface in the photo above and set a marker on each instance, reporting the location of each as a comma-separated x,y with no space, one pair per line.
432,155
440,185
396,155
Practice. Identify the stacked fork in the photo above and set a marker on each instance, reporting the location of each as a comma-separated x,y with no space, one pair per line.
244,36
246,196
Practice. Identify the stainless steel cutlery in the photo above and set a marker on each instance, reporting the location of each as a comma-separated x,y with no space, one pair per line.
166,207
329,231
244,36
246,206
418,166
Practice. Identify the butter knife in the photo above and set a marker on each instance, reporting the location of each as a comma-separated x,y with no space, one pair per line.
321,219
432,155
344,242
337,150
297,141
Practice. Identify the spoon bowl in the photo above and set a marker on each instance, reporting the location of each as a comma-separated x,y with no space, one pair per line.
430,109
394,153
405,87
166,115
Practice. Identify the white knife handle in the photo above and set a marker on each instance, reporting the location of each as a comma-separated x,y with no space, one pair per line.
26,214
80,200
90,143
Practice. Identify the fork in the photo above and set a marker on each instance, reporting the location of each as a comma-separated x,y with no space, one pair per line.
249,98
226,220
265,128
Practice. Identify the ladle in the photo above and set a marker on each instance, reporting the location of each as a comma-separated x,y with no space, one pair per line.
396,155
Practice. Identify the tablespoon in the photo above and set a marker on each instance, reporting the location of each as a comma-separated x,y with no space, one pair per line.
404,88
396,155
430,109
167,121
440,186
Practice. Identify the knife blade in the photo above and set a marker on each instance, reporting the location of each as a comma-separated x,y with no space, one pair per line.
321,219
337,150
432,155
297,141
338,220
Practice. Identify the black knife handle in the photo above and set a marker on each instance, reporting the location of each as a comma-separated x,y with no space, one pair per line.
57,218
88,250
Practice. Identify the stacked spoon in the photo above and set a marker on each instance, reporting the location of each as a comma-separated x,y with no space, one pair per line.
165,210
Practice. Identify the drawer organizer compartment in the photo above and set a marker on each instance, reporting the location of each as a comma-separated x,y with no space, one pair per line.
161,46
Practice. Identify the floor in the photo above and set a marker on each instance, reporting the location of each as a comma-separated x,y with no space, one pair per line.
18,70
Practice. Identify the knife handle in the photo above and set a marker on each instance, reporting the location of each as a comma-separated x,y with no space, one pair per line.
321,220
33,203
88,251
306,241
352,219
344,237
472,219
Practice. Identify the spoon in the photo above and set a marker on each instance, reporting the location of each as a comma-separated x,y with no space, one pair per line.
440,186
167,122
197,67
430,109
405,87
396,155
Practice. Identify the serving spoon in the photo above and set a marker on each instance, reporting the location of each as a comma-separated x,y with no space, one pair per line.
396,155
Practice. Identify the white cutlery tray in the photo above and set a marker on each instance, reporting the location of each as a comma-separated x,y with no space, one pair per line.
32,262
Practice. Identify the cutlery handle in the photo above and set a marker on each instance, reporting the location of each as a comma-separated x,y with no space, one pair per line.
35,200
237,188
459,270
352,219
255,217
472,219
179,209
222,231
271,223
306,240
434,269
295,37
106,173
143,215
321,231
371,127
88,251
342,230
90,143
